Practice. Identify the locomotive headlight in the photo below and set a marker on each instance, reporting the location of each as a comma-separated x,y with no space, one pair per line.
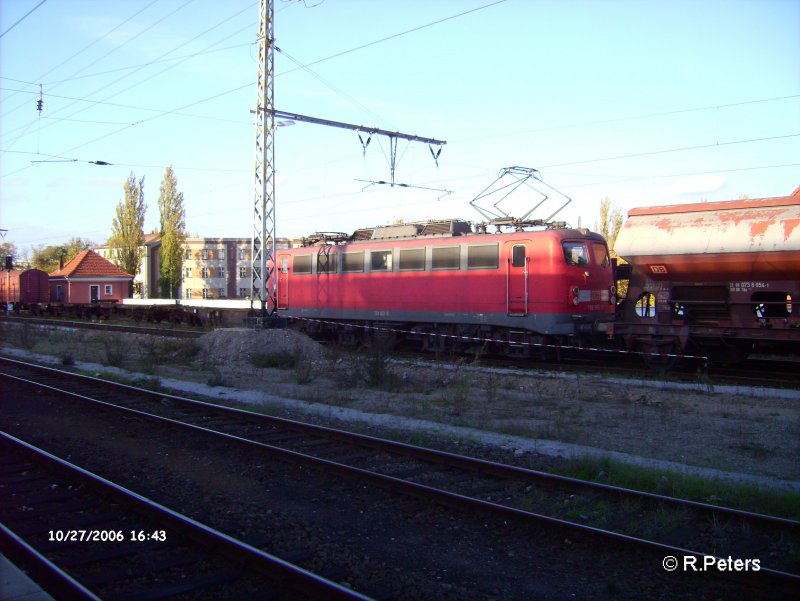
612,294
575,293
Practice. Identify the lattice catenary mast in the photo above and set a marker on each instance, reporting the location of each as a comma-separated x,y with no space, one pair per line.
263,246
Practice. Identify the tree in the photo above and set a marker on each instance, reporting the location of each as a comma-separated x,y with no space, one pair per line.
50,258
610,221
8,249
127,230
173,234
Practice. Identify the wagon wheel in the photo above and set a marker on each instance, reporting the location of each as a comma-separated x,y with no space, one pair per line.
660,354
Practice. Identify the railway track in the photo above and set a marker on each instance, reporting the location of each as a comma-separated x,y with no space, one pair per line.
707,533
757,373
83,537
156,330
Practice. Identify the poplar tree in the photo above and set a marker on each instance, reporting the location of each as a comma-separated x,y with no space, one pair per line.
173,235
610,221
126,243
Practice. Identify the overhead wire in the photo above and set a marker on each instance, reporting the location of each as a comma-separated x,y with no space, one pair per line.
25,16
315,62
307,65
129,40
85,48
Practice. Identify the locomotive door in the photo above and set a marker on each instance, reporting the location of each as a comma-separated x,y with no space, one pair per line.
283,282
516,278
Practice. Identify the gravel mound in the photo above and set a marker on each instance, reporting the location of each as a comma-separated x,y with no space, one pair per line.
241,344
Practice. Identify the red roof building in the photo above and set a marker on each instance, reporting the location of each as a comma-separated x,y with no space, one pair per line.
89,278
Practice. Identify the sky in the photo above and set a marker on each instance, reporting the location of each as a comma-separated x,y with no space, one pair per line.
644,102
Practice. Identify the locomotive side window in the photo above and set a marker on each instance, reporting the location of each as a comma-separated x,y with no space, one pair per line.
448,257
411,259
600,254
353,262
381,260
302,264
284,267
575,253
327,263
483,256
518,255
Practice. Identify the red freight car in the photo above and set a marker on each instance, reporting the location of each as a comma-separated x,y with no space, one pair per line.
24,287
443,282
717,278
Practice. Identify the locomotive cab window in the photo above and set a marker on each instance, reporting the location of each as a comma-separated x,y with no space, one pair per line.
483,256
411,259
448,257
381,260
301,264
600,254
575,253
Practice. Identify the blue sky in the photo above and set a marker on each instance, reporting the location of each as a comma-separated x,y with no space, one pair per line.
646,102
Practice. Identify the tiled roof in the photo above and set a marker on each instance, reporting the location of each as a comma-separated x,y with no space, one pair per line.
88,264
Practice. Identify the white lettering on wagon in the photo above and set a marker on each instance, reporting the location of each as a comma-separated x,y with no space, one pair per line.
747,286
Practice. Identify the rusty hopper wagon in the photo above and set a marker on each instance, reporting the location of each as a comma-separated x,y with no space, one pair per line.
717,278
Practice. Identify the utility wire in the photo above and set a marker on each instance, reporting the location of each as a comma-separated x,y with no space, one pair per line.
25,16
668,150
82,50
158,59
395,35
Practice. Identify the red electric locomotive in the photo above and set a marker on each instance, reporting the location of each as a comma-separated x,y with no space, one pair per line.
443,283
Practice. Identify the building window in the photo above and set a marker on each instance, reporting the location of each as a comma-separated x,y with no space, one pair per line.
204,273
221,272
221,254
243,272
204,254
243,292
205,292
242,252
188,254
108,290
187,293
220,292
187,273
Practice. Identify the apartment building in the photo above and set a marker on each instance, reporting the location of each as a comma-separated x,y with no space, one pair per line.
213,268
